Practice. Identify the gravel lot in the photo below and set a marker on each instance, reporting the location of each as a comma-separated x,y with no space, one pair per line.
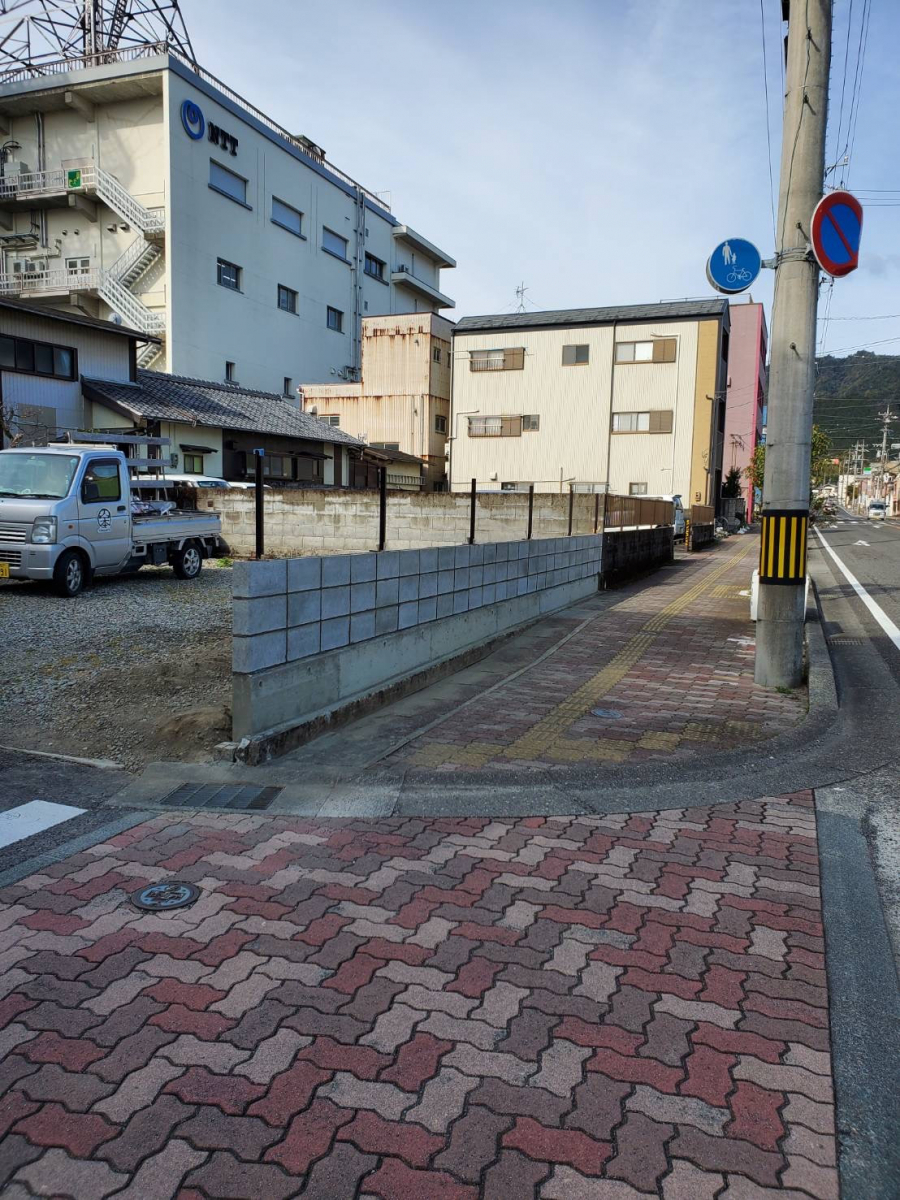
136,669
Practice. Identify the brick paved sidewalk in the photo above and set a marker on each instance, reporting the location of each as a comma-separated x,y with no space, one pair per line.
564,1008
669,671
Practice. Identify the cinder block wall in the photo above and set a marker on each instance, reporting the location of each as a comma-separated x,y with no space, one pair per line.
313,634
329,521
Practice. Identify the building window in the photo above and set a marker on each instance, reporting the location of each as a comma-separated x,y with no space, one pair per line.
637,489
331,419
575,356
277,465
334,243
288,218
659,350
436,355
287,299
374,266
495,426
531,424
514,485
225,181
385,445
228,275
78,266
335,319
440,424
193,464
229,372
37,358
658,420
497,360
288,385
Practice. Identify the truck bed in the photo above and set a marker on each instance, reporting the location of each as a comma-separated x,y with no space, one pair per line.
174,526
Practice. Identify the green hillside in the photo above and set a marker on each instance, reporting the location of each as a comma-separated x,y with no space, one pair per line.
851,392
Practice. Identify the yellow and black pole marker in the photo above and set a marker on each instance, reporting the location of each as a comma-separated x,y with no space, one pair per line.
782,549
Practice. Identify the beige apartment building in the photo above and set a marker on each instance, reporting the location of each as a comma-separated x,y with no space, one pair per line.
629,400
402,401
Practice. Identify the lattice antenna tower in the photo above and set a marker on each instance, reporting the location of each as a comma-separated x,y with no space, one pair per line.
39,37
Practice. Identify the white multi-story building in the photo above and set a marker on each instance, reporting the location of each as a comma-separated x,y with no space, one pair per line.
629,400
138,188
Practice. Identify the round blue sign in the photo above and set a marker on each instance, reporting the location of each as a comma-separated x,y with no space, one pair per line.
192,120
733,266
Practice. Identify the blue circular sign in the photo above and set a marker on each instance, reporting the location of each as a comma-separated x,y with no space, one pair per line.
733,266
192,120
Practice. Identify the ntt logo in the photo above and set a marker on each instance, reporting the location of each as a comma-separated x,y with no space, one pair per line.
192,120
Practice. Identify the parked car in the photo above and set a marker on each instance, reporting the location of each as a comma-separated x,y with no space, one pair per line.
877,510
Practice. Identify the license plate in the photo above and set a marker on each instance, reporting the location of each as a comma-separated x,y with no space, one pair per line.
4,570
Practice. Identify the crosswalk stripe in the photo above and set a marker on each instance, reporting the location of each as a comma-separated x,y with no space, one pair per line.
36,816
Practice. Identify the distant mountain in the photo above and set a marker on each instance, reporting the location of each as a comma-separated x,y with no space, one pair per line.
851,392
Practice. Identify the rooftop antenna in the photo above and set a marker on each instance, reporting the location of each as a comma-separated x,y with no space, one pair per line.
520,297
37,33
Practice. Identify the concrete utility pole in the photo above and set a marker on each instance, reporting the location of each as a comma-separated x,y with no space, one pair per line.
886,418
785,517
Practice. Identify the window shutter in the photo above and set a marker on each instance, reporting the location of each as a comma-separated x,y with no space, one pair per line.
664,350
661,420
514,360
510,426
568,358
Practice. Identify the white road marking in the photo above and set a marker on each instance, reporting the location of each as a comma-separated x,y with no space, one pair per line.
860,543
34,817
875,609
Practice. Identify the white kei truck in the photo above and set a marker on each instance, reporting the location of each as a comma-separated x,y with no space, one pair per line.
70,511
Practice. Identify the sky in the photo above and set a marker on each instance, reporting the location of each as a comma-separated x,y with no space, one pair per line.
594,150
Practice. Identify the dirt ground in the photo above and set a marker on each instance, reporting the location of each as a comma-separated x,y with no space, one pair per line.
136,669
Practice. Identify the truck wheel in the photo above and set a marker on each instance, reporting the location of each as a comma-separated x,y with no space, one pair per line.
187,561
70,574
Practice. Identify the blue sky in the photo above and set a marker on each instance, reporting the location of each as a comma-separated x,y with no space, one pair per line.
596,151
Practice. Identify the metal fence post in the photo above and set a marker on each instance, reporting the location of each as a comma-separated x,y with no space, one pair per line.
530,510
596,511
260,505
382,506
571,506
472,514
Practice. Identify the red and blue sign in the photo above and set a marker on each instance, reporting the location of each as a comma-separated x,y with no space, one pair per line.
836,230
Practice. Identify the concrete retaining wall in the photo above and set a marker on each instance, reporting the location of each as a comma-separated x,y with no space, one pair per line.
635,550
316,636
328,521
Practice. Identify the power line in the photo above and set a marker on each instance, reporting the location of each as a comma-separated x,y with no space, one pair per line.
857,83
837,149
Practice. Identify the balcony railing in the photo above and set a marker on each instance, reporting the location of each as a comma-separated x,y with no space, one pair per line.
133,311
86,179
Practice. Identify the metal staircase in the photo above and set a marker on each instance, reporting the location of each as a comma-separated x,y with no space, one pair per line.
138,257
132,310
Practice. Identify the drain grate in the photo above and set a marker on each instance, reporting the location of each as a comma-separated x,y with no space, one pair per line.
215,795
838,640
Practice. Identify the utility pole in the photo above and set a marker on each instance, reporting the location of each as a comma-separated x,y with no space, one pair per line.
785,517
886,418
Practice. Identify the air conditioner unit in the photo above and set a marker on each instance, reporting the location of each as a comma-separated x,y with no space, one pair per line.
29,266
403,270
173,460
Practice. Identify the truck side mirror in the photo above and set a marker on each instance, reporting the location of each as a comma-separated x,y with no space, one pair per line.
90,491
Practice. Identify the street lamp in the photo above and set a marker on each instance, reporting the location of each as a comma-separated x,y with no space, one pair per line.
469,412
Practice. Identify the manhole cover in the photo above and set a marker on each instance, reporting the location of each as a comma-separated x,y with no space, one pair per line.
215,795
163,896
611,714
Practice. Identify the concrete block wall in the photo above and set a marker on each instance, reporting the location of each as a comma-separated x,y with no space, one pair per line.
315,638
290,609
632,550
335,521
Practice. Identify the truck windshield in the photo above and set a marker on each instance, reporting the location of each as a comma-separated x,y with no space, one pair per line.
43,476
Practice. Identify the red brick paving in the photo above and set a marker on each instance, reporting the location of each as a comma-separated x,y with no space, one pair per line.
586,1007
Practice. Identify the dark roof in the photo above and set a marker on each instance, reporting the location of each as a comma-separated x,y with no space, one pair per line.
160,397
393,455
625,313
74,318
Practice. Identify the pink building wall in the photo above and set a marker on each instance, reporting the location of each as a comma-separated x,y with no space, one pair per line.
746,394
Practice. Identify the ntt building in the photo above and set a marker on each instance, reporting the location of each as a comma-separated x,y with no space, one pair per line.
138,188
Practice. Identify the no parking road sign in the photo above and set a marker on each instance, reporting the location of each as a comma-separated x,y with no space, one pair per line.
836,229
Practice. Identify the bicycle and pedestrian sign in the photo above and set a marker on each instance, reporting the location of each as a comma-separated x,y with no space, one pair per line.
733,266
836,230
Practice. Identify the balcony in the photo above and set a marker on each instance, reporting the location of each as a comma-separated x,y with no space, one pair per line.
403,233
403,277
79,187
51,285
